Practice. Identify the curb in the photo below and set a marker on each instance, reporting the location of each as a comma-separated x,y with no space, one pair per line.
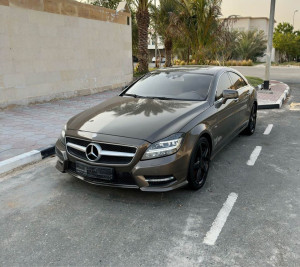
278,104
26,158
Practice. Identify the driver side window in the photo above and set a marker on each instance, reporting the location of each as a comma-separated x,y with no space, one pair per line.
223,84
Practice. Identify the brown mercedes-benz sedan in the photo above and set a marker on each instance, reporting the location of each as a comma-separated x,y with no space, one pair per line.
161,132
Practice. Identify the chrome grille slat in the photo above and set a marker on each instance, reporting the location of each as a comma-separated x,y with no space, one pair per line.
111,154
78,147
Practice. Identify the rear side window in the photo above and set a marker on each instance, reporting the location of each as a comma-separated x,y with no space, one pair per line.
223,84
237,81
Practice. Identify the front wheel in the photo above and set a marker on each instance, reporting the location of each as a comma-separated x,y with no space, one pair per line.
252,122
199,164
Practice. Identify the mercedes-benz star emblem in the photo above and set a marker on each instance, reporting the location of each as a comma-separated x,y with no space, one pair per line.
93,152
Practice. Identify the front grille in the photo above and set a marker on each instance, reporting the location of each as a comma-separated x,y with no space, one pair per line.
120,178
105,159
110,147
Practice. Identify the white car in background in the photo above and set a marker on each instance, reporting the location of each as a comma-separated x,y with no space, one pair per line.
163,60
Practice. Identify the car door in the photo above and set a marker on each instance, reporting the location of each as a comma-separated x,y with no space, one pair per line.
239,84
227,113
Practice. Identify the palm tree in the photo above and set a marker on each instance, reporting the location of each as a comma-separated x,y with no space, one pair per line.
167,24
200,24
143,21
250,45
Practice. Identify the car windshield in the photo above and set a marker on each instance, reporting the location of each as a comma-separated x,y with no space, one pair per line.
172,85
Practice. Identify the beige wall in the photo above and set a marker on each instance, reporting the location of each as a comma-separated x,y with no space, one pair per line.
47,55
248,23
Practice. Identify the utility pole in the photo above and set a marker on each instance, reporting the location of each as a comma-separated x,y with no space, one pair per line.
294,17
155,53
270,46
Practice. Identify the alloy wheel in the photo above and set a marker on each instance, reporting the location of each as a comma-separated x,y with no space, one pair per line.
200,164
252,120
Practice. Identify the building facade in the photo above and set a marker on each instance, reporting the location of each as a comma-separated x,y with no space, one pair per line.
253,23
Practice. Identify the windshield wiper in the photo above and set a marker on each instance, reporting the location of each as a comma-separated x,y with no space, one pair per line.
161,98
133,95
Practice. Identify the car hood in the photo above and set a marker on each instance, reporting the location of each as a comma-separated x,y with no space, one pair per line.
139,118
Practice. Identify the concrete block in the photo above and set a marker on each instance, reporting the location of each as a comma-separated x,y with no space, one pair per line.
14,80
39,65
24,66
5,54
20,160
48,30
7,67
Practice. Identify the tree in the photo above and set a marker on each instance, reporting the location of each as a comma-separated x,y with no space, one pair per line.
166,24
250,45
143,21
199,20
226,40
112,4
284,28
287,41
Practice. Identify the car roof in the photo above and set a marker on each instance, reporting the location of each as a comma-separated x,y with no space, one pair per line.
211,70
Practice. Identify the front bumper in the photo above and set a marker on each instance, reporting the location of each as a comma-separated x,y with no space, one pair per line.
157,175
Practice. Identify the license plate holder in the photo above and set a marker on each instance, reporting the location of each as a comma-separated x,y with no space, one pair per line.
95,172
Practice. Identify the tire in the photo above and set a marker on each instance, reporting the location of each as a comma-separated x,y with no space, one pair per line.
199,164
252,121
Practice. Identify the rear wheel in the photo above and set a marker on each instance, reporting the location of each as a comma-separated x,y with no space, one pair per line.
252,122
199,164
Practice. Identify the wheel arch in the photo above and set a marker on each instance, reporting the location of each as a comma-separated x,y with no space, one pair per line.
202,130
209,139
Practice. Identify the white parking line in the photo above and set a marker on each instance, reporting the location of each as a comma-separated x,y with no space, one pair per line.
216,227
254,155
268,129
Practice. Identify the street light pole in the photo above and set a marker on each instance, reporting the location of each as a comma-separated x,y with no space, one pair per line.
294,17
270,46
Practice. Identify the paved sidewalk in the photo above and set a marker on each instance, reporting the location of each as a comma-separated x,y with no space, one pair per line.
37,126
273,98
25,128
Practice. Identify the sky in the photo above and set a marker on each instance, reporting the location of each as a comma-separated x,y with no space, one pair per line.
261,8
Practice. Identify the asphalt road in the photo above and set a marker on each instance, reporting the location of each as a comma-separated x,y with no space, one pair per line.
49,218
290,75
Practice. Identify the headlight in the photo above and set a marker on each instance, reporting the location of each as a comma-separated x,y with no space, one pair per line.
63,134
164,147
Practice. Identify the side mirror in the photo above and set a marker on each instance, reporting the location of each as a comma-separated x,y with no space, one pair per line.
230,94
259,87
124,87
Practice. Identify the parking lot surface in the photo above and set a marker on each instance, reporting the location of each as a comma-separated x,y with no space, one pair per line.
247,214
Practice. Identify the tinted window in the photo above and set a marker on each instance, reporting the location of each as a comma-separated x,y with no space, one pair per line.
223,84
237,81
174,85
